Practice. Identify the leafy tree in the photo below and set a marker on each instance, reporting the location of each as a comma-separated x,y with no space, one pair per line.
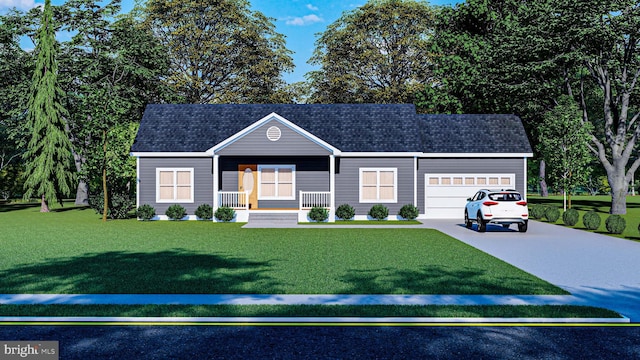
377,53
492,56
612,60
48,155
521,56
563,142
16,69
113,69
220,51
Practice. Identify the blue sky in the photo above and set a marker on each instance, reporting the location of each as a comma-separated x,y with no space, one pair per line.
298,20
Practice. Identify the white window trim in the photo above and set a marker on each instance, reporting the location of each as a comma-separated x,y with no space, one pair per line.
175,192
378,170
276,167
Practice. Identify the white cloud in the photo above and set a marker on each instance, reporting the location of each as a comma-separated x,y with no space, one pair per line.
19,4
312,8
304,20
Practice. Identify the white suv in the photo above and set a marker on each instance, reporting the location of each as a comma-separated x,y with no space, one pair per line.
504,207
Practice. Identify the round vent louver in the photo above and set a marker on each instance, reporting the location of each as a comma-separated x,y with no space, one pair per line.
274,133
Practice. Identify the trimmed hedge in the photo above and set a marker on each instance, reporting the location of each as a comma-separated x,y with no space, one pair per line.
615,224
571,217
408,212
591,220
552,214
225,213
318,214
379,212
176,212
537,211
345,212
145,212
204,212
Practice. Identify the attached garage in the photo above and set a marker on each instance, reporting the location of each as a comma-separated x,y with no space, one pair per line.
446,194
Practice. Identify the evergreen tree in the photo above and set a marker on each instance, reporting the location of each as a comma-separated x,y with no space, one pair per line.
48,159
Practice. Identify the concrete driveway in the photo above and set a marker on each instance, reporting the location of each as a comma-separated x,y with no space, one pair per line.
597,269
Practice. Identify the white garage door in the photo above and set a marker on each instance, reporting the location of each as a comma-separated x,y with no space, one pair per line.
446,194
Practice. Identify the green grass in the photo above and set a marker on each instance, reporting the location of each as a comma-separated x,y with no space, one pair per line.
365,222
602,205
70,251
506,311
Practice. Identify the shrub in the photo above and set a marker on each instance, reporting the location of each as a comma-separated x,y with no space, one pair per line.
146,212
318,214
408,212
615,224
345,212
552,214
225,213
379,212
591,220
120,204
537,211
176,212
571,217
205,212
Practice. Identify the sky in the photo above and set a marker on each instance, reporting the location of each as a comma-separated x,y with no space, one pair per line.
299,20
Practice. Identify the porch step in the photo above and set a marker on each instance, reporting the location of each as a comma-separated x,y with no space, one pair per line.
272,220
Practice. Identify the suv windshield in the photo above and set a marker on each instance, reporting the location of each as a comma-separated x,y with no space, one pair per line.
505,197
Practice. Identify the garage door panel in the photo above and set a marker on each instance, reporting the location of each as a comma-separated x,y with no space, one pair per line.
446,194
452,191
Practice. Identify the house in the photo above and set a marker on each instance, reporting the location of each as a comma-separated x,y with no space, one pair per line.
291,157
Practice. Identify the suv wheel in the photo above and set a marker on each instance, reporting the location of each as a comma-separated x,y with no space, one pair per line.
482,225
467,222
523,227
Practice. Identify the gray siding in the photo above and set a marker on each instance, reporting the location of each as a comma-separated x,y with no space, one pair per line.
256,142
202,182
348,182
312,174
469,166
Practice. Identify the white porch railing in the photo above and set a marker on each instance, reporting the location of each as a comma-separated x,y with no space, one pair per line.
309,199
234,199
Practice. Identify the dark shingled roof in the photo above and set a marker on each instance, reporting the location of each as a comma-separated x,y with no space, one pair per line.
348,127
474,133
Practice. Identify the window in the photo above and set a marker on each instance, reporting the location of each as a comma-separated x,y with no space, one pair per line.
378,185
276,182
174,185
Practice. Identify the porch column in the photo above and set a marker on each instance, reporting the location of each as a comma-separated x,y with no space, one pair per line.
215,181
415,181
332,188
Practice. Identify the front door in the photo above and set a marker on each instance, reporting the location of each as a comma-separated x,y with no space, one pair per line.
248,181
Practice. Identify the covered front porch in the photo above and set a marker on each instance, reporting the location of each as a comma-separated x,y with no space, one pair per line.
240,203
274,184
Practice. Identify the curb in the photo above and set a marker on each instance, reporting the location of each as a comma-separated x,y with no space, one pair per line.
310,321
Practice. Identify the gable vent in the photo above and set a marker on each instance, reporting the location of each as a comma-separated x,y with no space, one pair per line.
274,133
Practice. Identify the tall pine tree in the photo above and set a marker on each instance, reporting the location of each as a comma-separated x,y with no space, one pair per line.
48,159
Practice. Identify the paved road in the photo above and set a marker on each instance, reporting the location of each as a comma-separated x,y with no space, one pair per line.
600,269
190,342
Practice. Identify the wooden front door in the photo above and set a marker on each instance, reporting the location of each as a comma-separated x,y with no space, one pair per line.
248,181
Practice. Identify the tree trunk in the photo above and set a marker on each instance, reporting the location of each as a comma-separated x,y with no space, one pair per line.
82,193
543,184
105,206
619,189
44,205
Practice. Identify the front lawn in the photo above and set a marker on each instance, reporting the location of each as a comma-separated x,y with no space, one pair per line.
72,252
458,311
602,205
